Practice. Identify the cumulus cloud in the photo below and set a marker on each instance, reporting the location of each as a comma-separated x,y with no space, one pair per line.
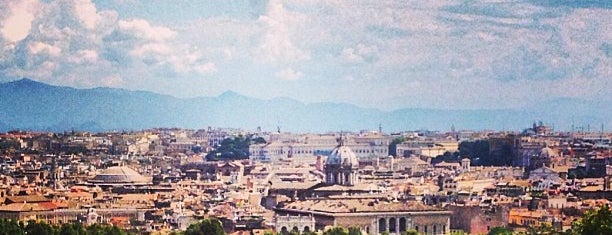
18,17
71,42
289,74
143,30
277,43
523,51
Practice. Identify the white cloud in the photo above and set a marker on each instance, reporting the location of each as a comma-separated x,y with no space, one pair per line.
86,12
205,68
41,47
155,49
277,43
289,74
144,30
84,57
18,17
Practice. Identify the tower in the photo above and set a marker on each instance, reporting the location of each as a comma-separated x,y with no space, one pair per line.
465,165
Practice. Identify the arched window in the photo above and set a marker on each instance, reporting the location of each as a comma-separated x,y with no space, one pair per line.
382,225
284,231
402,224
392,225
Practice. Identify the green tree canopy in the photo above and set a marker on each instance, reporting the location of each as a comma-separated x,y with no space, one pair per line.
410,232
235,148
10,227
500,231
393,145
594,222
210,226
72,229
354,231
336,231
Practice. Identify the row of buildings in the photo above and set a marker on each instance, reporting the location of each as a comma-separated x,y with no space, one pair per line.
304,182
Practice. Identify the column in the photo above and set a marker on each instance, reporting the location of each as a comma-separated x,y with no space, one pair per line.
397,226
387,222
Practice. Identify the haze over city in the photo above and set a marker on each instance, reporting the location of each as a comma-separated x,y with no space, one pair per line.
373,54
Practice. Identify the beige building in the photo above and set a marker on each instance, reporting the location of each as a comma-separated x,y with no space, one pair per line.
370,215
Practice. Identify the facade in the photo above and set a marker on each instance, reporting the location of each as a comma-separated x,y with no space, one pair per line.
477,220
371,216
364,147
298,224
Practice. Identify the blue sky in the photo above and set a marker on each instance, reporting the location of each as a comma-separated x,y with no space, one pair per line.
382,54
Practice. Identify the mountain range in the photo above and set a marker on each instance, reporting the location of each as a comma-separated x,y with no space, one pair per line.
30,105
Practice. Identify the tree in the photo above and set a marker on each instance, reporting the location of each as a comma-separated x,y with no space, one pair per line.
594,222
500,231
210,226
354,231
410,232
72,229
104,229
393,145
478,152
542,229
258,140
336,231
446,157
231,149
10,227
458,233
40,228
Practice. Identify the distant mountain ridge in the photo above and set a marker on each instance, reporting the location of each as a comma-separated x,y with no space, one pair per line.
32,105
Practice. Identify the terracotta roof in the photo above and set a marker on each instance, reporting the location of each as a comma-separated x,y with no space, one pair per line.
27,198
21,207
346,205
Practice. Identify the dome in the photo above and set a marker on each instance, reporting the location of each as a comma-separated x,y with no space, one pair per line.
344,156
119,175
547,152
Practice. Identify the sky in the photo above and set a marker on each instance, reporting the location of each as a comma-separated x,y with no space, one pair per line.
379,54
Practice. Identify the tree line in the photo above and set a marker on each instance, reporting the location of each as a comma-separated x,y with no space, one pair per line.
13,227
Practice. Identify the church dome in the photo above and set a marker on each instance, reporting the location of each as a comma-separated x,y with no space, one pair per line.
547,152
119,175
343,156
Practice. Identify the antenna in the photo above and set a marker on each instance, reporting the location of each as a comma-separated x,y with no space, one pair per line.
601,133
340,140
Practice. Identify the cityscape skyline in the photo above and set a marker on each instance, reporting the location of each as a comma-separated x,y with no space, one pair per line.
385,55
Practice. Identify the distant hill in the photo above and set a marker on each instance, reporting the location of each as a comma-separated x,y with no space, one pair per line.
28,104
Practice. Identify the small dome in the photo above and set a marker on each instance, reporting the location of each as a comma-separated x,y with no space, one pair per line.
344,156
547,152
119,175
